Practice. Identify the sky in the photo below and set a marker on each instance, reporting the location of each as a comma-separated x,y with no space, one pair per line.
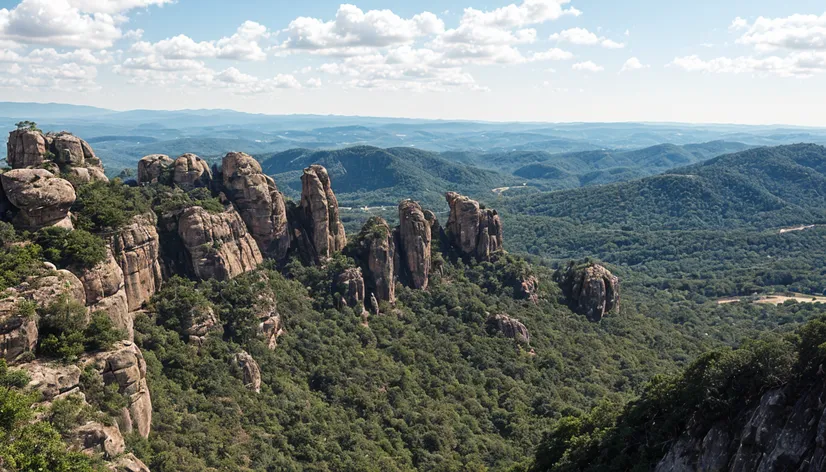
705,61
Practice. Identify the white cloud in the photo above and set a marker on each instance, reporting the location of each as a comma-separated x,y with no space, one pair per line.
633,64
314,82
354,28
114,6
796,32
553,54
738,24
800,64
582,36
244,45
93,24
133,35
529,12
13,69
587,66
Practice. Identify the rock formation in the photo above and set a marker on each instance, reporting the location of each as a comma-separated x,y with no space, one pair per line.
259,203
218,245
250,372
785,431
319,214
18,328
527,288
375,248
151,167
191,171
350,284
137,250
41,198
94,437
473,230
414,243
105,291
270,328
202,321
591,290
69,150
509,327
26,148
124,366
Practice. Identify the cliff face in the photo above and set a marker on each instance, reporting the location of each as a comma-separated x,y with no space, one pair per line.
105,291
785,431
151,167
474,231
137,250
259,203
319,214
218,245
375,249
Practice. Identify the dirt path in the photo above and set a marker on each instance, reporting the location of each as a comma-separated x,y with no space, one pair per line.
778,299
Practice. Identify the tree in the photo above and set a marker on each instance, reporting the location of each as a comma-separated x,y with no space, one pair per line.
27,125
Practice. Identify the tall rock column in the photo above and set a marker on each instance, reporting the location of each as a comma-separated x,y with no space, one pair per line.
375,248
414,240
259,203
26,148
319,214
591,289
473,230
137,250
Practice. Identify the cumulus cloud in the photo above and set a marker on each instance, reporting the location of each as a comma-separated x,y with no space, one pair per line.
582,36
633,64
796,32
354,28
587,66
793,46
244,45
801,64
553,54
93,24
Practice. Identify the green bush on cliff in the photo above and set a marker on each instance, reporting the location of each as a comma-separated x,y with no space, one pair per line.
108,206
76,249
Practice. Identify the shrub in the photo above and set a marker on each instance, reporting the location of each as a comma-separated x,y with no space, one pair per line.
76,249
108,206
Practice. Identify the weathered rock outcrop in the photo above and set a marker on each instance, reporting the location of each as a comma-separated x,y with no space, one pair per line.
203,320
319,214
249,370
375,249
53,380
191,171
69,150
25,148
509,327
124,366
137,250
151,167
528,288
414,243
472,229
785,431
94,437
218,245
105,291
350,284
128,463
592,290
18,328
259,203
41,198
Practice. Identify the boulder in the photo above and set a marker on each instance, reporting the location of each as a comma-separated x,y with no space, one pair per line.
509,327
191,171
69,150
414,243
319,214
270,329
105,291
123,365
137,249
350,284
97,438
86,175
43,199
527,288
128,463
49,288
591,290
473,230
152,166
259,203
53,380
26,148
375,249
203,320
218,245
250,372
18,332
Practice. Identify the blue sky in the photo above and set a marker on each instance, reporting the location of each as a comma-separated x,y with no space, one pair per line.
758,61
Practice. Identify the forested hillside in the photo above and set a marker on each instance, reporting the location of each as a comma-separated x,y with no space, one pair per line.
212,322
